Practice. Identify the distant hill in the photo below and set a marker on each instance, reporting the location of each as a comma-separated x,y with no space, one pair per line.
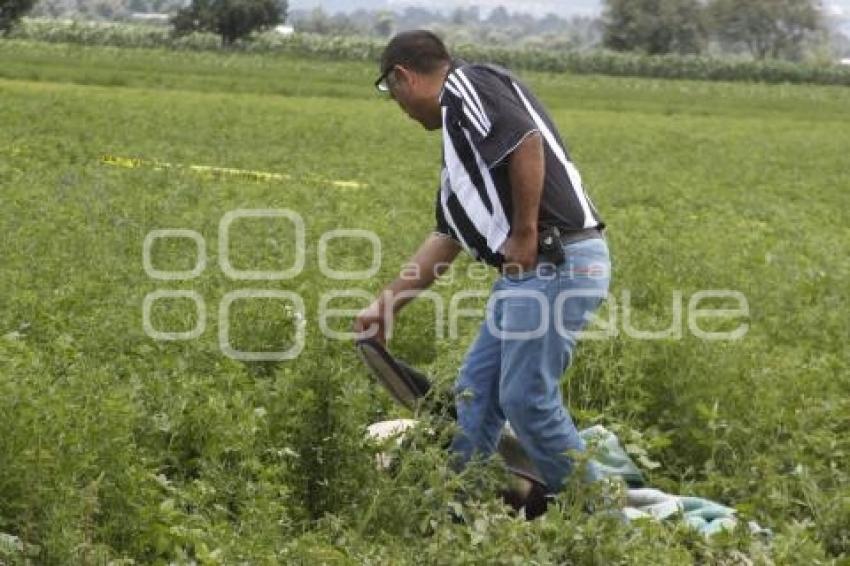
837,10
536,7
567,8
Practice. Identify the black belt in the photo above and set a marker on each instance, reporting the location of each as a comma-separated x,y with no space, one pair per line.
573,236
549,249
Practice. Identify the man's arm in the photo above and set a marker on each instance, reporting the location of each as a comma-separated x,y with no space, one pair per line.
430,261
526,170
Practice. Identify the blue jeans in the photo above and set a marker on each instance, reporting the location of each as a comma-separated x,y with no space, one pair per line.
513,369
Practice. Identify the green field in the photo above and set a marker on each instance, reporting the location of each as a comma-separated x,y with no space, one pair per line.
114,445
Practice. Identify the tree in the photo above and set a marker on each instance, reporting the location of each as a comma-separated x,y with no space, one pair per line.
139,6
499,17
654,26
317,22
11,11
767,28
466,16
840,44
231,19
384,22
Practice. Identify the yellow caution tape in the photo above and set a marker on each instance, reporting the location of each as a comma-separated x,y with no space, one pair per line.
136,162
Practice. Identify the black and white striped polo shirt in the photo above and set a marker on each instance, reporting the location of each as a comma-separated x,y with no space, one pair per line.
487,113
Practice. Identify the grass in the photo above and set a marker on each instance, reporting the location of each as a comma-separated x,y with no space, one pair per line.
118,446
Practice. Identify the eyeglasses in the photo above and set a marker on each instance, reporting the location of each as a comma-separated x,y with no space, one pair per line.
383,82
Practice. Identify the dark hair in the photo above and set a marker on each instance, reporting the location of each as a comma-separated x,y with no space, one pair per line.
419,50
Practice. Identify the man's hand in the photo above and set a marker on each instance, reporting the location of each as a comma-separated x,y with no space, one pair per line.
520,253
371,322
429,262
